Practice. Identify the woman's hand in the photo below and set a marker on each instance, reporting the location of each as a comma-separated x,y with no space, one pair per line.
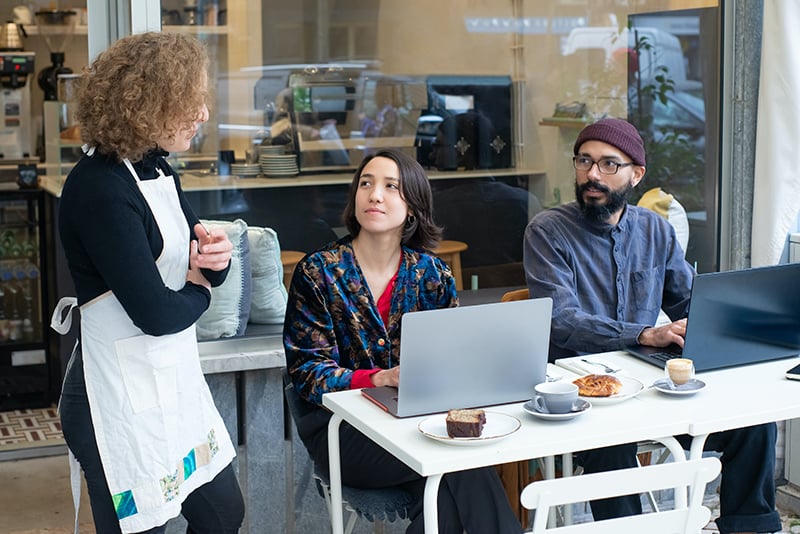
387,377
214,248
194,274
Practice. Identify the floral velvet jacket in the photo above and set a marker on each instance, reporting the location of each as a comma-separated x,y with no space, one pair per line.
332,324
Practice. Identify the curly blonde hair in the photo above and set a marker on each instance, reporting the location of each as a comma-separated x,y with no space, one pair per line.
141,88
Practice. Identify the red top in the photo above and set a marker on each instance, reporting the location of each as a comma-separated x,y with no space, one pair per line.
361,377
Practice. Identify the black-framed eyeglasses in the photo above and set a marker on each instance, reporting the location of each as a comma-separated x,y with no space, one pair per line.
604,165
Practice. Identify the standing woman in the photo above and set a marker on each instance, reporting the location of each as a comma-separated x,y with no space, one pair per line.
342,331
135,408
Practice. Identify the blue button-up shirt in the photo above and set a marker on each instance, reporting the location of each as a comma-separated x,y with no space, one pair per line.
607,282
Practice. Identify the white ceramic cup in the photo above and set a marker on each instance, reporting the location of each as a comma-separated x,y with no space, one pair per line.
679,370
555,397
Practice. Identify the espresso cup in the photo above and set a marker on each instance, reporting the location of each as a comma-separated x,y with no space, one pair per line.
679,370
555,397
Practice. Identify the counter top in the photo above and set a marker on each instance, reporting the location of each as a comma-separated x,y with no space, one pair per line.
212,182
242,354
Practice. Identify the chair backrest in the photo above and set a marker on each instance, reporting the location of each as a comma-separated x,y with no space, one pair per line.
516,294
691,474
668,207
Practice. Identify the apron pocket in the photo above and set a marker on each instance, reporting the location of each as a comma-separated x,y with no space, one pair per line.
149,368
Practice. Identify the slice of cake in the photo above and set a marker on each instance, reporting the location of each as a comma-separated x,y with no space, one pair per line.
465,423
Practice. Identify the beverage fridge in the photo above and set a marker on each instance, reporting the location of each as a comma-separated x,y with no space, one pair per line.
25,363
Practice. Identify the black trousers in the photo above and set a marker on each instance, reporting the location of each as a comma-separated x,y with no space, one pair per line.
747,490
471,501
216,507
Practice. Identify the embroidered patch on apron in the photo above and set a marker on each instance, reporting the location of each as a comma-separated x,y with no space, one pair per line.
124,504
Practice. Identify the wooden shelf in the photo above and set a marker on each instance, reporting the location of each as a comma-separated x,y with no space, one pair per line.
196,29
199,181
564,122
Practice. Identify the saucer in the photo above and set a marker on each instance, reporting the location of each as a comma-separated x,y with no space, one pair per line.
583,407
689,388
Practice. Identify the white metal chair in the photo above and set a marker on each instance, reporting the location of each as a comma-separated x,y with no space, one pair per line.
689,519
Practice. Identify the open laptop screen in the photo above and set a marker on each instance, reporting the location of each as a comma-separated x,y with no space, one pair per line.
744,316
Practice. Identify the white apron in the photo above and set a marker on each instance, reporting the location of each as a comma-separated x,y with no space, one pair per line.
158,432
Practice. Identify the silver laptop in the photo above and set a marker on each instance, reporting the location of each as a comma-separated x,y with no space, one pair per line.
738,318
468,357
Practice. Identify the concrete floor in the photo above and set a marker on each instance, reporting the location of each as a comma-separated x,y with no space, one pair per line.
35,499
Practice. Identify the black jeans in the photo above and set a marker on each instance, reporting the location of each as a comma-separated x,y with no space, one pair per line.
471,501
747,491
216,507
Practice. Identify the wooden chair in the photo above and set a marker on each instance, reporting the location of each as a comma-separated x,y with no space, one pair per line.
289,259
450,252
687,519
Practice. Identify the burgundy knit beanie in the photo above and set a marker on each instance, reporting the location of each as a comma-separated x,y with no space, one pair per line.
617,132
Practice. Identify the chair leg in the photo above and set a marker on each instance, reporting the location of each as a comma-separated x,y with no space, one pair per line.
379,527
650,497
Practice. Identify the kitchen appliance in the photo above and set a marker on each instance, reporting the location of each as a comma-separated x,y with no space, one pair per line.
57,27
11,35
473,123
16,132
332,116
29,377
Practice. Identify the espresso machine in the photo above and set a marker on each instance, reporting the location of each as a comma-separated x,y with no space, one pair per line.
16,132
332,115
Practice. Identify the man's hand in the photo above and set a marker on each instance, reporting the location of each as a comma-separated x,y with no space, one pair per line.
387,377
663,336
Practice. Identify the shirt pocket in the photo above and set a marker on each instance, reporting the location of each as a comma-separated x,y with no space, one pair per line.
646,289
149,367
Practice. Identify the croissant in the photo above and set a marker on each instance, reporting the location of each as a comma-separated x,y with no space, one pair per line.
597,385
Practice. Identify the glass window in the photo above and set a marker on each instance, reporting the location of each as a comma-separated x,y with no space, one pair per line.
488,96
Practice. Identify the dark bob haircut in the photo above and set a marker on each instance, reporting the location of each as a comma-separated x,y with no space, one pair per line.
420,231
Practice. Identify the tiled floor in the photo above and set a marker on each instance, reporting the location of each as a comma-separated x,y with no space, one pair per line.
26,428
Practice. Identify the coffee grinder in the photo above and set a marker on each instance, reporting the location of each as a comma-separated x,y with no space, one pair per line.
16,133
57,27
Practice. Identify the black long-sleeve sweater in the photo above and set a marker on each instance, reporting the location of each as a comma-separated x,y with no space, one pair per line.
111,241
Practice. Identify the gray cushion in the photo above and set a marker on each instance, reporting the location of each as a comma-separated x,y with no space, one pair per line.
268,302
229,311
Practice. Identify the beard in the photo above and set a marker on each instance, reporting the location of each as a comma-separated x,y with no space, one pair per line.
616,199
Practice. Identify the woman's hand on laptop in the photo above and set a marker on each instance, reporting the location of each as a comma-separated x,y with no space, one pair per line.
386,377
663,336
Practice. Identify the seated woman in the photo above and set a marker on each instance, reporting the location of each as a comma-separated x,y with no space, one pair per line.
342,331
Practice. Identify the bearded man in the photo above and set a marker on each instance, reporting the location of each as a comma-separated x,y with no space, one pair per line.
609,268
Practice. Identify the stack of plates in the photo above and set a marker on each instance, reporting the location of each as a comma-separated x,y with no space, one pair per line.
278,166
271,150
245,170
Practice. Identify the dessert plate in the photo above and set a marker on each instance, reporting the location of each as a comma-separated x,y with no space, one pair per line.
498,426
630,388
689,388
583,407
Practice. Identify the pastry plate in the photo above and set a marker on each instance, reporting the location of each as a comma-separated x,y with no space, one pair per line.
630,388
498,426
689,388
583,407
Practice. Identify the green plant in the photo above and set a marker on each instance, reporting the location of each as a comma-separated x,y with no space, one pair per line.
674,163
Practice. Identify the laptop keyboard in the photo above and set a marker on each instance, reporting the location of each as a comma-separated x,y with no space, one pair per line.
665,356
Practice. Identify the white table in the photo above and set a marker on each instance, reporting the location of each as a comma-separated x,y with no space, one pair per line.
651,415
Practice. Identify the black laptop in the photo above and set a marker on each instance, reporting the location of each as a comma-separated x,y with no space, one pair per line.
737,318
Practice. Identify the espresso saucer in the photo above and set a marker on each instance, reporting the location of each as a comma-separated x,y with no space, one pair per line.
582,407
689,388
